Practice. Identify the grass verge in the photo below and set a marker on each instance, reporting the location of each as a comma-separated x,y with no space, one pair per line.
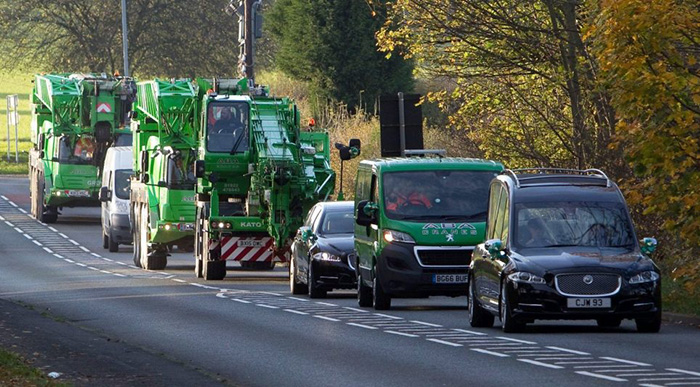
14,371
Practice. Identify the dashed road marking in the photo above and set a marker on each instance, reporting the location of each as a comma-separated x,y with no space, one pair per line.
267,306
84,249
361,325
606,377
539,363
427,324
443,342
326,318
626,361
239,300
569,350
295,311
497,354
298,299
683,371
36,242
401,333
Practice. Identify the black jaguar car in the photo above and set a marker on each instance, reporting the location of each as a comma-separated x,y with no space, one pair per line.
323,251
561,245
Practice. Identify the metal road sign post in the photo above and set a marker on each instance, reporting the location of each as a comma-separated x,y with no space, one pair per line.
12,120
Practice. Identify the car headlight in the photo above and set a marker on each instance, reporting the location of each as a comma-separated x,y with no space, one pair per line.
324,256
645,276
523,276
397,236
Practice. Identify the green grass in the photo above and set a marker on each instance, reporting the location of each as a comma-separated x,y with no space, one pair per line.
20,84
14,371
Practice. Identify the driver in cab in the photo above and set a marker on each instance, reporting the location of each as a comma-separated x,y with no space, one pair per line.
402,196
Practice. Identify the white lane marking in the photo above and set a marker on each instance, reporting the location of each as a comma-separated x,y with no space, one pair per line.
538,363
516,340
73,242
107,259
451,344
105,271
569,350
196,284
426,324
241,301
63,235
683,371
654,385
271,293
162,272
84,249
361,325
583,361
648,374
606,377
68,260
221,295
81,264
355,309
119,275
179,280
133,266
4,197
22,210
295,311
489,352
12,203
52,229
470,332
48,250
58,255
95,255
388,316
122,263
267,306
298,299
2,217
325,303
326,318
9,224
36,242
605,366
93,268
400,333
626,361
667,379
28,236
19,230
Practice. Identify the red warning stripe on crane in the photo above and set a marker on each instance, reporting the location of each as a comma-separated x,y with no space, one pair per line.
250,249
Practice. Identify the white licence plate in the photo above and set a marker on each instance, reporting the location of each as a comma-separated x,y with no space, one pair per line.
588,302
450,278
249,243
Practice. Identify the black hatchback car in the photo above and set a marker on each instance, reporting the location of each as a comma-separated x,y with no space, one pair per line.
323,251
561,245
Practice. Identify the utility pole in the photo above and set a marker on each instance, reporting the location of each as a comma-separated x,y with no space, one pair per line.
125,40
249,39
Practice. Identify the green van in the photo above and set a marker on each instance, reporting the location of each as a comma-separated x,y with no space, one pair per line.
417,221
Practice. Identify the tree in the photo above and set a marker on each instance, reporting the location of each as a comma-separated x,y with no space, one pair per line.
523,77
332,45
166,37
651,65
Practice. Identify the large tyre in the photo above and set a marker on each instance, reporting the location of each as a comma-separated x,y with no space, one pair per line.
213,269
45,214
113,245
508,323
381,300
652,325
198,250
478,316
314,290
136,233
294,286
105,240
151,259
364,292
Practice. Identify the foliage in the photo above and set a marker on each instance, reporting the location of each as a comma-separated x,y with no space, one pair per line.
14,371
523,80
330,44
166,37
649,54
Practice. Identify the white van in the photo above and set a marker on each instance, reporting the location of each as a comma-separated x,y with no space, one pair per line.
114,195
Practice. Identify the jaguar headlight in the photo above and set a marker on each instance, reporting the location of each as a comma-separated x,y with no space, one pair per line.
324,256
525,277
645,276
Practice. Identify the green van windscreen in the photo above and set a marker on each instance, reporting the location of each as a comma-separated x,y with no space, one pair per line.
455,196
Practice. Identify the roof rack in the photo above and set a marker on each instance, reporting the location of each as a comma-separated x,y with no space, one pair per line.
424,152
550,175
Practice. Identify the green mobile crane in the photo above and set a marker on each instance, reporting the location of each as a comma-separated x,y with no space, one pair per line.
162,188
75,118
258,173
